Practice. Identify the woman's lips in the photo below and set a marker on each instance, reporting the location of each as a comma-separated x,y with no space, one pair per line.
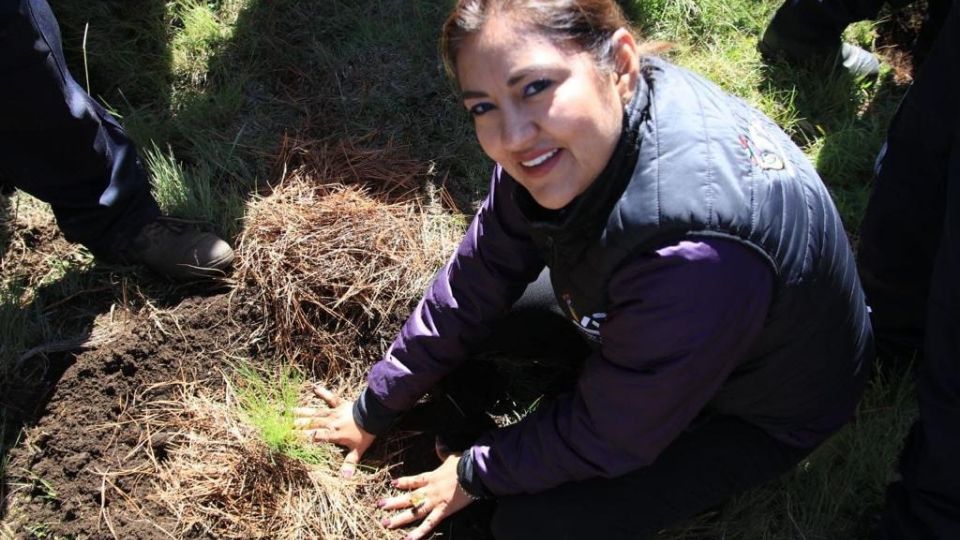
541,164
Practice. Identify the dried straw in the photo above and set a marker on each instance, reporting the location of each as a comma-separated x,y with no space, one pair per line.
216,477
334,256
336,267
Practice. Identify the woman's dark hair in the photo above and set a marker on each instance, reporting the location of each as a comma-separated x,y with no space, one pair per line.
588,25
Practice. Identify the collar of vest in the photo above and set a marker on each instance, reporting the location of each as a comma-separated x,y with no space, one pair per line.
580,222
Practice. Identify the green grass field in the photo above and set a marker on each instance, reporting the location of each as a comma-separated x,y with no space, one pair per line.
214,91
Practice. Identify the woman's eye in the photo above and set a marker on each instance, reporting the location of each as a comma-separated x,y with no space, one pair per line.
536,87
480,109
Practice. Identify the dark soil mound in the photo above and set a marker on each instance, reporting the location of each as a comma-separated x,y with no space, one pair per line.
71,469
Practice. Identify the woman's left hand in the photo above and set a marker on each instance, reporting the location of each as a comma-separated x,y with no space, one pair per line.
432,497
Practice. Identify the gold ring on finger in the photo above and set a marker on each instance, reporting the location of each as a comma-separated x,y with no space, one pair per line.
417,501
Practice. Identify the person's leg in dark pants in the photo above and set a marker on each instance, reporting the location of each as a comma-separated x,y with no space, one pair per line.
811,30
820,23
900,233
706,465
925,503
58,144
62,147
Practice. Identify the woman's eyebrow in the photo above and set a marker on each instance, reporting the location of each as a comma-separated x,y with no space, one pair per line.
527,71
512,81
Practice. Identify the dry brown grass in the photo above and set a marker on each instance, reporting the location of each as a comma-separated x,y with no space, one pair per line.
336,266
215,476
335,256
386,171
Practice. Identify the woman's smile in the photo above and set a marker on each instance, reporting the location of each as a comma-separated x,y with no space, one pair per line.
546,113
542,164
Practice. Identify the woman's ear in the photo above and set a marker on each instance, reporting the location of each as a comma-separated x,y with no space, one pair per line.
626,63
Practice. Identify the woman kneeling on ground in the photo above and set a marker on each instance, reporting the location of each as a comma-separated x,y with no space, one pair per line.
687,239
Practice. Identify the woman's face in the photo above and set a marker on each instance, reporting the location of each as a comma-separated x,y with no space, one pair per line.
548,115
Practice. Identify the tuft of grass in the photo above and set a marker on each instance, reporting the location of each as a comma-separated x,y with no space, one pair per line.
698,22
193,192
863,33
43,488
267,401
203,28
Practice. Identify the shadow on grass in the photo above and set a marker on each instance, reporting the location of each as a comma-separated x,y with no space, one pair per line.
351,72
268,77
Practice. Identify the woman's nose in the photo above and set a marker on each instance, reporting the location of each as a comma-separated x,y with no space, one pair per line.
518,130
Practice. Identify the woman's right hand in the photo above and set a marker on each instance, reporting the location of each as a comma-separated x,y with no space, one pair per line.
335,425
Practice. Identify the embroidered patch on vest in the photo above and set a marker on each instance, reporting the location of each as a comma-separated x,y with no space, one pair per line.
763,150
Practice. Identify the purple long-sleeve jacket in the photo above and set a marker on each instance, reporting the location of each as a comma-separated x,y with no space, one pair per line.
680,319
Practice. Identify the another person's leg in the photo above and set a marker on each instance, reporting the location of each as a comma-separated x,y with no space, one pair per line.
925,503
59,145
900,233
811,30
707,464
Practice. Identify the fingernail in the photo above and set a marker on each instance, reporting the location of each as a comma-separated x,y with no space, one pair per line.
394,483
408,538
346,472
381,503
385,522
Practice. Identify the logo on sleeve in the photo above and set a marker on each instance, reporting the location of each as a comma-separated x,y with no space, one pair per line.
764,151
590,324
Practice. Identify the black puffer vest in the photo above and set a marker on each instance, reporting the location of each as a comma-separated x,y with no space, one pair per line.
695,161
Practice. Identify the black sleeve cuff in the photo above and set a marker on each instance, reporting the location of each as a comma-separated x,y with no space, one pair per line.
371,415
469,479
